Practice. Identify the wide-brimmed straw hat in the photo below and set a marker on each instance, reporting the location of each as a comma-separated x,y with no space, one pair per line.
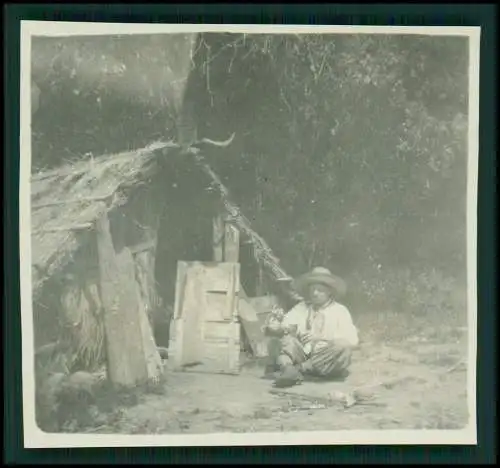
320,275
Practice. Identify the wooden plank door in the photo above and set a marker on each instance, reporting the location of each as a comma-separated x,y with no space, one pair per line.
206,331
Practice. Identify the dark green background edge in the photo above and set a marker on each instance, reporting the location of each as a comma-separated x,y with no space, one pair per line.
483,15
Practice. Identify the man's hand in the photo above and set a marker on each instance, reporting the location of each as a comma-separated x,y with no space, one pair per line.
290,329
274,328
305,337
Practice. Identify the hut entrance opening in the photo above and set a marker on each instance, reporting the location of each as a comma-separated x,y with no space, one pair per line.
187,232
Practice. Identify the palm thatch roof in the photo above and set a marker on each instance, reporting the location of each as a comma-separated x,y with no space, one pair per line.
150,70
66,201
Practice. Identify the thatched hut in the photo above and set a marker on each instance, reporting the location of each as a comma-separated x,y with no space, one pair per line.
73,201
72,252
99,228
75,257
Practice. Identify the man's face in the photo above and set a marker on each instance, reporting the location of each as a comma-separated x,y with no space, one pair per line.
319,294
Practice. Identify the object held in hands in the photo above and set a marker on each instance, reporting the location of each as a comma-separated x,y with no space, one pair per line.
291,329
277,313
273,324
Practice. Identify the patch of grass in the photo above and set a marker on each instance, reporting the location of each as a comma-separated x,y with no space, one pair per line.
401,302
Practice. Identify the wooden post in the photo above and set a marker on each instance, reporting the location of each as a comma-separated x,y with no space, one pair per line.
218,238
264,254
231,243
126,363
226,241
144,227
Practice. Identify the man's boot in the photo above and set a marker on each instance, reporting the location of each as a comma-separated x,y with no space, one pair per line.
289,374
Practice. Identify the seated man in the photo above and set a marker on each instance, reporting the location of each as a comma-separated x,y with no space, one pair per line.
316,336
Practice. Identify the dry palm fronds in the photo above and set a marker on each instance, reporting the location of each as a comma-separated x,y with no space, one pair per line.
77,195
84,329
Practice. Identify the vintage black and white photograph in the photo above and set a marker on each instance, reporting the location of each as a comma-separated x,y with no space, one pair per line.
248,235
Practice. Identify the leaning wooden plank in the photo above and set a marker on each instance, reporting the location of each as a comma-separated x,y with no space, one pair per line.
263,304
246,311
242,293
125,355
252,328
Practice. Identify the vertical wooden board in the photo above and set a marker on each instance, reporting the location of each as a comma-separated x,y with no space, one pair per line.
192,317
233,294
226,240
126,361
132,338
231,243
218,235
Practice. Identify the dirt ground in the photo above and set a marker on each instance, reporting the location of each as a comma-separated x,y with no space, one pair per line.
417,376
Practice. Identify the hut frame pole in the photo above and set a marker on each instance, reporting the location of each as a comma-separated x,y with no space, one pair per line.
262,251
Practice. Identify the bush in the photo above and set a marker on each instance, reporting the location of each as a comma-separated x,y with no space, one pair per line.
413,292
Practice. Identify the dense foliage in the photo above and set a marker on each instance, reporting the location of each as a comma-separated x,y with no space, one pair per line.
350,151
